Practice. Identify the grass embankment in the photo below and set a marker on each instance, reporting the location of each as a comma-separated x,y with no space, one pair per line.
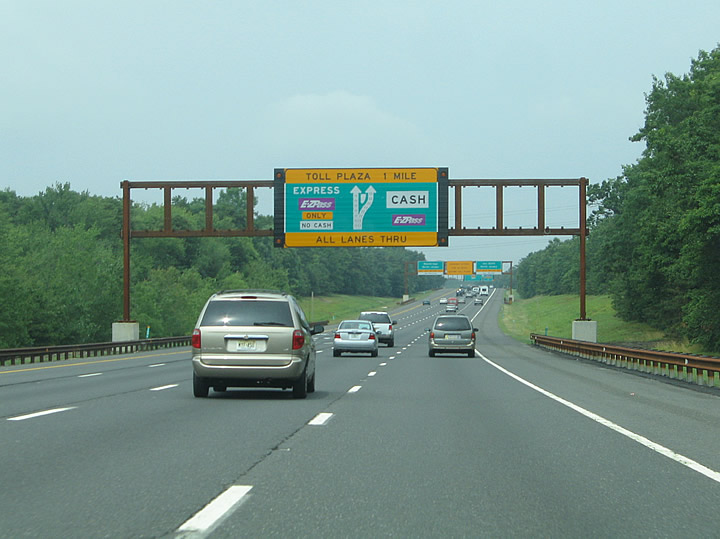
556,313
341,307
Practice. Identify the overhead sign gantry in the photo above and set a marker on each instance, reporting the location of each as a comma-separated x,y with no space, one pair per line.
369,207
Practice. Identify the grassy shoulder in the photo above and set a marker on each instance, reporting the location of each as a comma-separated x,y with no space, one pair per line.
555,314
341,307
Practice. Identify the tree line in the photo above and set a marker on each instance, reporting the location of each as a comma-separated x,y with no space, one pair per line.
654,243
61,266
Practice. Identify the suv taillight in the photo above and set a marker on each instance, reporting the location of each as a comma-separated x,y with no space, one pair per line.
196,340
432,334
390,327
298,339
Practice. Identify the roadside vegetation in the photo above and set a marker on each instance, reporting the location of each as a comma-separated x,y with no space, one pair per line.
553,315
654,243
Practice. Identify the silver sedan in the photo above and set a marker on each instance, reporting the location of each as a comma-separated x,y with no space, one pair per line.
355,336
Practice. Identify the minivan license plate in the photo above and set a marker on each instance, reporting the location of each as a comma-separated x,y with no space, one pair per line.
245,346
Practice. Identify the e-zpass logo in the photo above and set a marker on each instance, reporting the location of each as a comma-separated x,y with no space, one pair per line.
408,220
316,203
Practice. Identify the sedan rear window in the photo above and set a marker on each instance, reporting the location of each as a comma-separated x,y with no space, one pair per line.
453,324
247,313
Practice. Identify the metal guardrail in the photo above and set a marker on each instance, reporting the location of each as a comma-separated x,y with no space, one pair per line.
41,354
700,370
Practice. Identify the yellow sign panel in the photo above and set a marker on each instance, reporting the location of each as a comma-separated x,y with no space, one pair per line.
361,239
327,215
459,268
361,175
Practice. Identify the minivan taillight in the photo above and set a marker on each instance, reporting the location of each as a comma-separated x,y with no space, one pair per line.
298,339
196,340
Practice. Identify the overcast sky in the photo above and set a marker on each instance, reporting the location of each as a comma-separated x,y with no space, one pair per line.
94,92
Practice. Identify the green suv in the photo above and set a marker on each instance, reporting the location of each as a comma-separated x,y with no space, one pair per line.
253,338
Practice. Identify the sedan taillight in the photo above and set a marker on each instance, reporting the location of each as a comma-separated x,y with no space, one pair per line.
372,337
298,339
196,340
337,335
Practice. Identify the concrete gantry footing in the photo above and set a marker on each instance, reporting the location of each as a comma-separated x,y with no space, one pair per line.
584,330
125,331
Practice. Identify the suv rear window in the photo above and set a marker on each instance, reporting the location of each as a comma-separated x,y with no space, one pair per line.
247,313
453,324
376,318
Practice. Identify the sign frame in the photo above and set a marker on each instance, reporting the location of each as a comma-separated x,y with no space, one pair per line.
288,227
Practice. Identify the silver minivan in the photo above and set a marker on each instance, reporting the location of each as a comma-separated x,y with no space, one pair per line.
253,338
452,333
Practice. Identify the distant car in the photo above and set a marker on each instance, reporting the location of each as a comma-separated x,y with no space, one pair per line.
250,338
461,299
443,301
383,325
451,308
355,336
478,301
426,302
452,334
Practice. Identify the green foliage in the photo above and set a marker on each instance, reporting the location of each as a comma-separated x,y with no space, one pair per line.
61,266
655,239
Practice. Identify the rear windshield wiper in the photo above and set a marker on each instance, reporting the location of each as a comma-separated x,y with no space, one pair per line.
269,324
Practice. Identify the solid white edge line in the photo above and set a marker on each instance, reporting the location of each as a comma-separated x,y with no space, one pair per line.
662,450
354,389
39,414
211,514
163,387
320,419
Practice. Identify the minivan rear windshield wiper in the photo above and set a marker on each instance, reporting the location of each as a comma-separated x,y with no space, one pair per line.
269,324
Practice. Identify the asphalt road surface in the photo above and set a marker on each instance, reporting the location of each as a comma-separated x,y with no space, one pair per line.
516,442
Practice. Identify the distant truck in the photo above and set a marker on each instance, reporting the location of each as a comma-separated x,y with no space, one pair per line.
484,290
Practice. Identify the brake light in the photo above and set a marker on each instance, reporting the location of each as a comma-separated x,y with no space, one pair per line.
337,335
298,339
390,327
472,335
372,336
196,340
432,334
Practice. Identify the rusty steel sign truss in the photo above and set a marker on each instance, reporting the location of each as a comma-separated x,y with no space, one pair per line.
167,231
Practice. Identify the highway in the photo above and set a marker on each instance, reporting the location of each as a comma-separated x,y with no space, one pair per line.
516,442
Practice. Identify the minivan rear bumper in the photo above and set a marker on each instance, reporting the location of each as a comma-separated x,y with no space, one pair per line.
250,375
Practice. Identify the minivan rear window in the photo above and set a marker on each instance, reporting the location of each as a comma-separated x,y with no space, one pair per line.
247,313
453,324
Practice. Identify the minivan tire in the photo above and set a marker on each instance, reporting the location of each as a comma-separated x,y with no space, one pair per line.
300,386
201,387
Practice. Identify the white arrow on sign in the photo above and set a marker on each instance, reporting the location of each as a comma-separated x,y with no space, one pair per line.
366,199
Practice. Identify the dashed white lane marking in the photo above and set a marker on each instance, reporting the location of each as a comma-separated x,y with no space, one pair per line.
383,364
209,516
669,453
169,386
320,419
89,375
372,373
156,365
354,389
39,414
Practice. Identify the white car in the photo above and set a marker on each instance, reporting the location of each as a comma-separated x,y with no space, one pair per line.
443,300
